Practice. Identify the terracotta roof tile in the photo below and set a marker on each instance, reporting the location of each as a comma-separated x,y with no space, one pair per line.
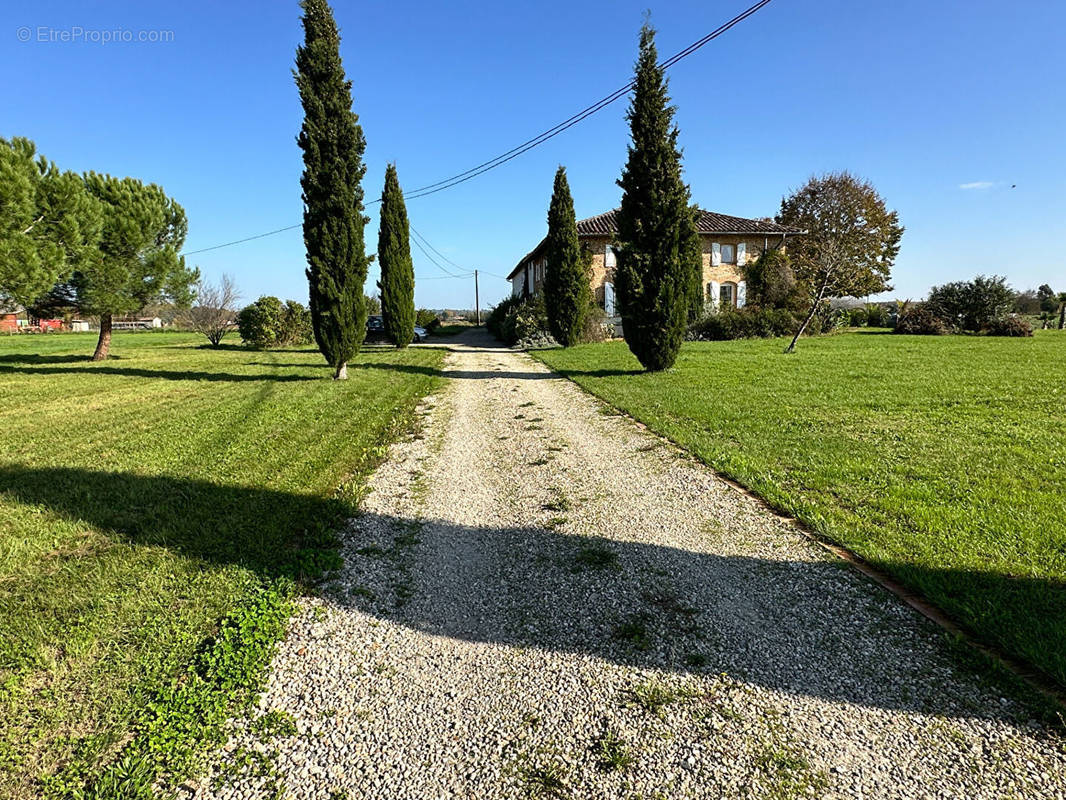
709,222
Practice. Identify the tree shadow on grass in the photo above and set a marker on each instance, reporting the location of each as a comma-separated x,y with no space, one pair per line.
809,628
162,374
36,358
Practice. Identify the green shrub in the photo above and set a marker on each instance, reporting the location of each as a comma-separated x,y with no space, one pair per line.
1010,326
269,323
530,318
876,316
770,280
424,318
745,323
857,318
972,305
518,318
920,320
495,321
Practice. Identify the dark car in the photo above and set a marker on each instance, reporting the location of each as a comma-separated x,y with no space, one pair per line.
375,330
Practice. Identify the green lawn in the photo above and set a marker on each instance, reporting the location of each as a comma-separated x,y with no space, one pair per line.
940,459
153,511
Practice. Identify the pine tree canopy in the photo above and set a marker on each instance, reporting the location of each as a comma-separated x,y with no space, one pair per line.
567,292
333,145
653,278
49,223
397,271
137,262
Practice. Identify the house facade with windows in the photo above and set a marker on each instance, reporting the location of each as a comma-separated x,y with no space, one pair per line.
727,243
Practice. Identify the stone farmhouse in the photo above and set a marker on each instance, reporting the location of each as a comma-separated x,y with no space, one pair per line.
728,243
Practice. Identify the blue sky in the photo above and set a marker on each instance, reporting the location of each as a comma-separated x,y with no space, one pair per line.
944,105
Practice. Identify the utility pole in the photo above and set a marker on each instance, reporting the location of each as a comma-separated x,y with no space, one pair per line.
477,300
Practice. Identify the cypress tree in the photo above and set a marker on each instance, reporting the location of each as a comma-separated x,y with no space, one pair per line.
692,253
652,278
397,271
333,145
567,293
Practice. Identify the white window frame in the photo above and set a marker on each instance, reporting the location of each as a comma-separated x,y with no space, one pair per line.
732,287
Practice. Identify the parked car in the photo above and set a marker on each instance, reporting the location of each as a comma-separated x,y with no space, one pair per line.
375,330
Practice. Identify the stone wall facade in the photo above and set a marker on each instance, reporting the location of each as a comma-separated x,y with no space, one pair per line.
717,271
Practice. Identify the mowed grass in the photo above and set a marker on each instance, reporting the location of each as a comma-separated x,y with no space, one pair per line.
940,459
145,498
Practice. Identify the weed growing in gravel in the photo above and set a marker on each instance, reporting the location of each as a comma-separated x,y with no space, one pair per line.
633,631
695,660
653,696
275,723
540,462
788,773
371,550
559,501
526,404
546,781
555,523
595,556
612,753
362,591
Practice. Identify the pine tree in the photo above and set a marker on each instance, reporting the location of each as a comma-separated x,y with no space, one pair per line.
567,290
653,279
333,145
137,262
397,283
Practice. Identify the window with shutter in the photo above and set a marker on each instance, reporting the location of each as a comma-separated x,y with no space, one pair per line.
742,254
728,254
726,295
712,294
608,299
716,254
610,260
742,294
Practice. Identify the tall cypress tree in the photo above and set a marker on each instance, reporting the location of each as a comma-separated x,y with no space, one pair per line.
333,145
567,292
653,279
397,283
692,254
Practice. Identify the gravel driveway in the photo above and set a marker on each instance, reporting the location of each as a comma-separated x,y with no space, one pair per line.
544,600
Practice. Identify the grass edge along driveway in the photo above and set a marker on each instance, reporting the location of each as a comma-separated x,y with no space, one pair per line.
941,460
158,512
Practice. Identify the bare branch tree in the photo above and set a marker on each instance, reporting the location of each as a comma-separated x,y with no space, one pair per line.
214,314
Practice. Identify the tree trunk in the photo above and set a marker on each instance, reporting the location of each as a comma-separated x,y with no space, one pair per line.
342,372
103,344
810,315
1062,317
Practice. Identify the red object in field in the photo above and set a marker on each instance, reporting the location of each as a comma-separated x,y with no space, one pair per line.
50,324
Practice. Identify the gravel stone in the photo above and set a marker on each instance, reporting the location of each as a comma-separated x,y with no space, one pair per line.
537,583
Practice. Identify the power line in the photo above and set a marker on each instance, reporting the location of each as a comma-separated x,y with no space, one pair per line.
529,144
241,241
588,111
433,261
435,250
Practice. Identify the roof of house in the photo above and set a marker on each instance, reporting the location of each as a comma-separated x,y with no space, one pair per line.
709,222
